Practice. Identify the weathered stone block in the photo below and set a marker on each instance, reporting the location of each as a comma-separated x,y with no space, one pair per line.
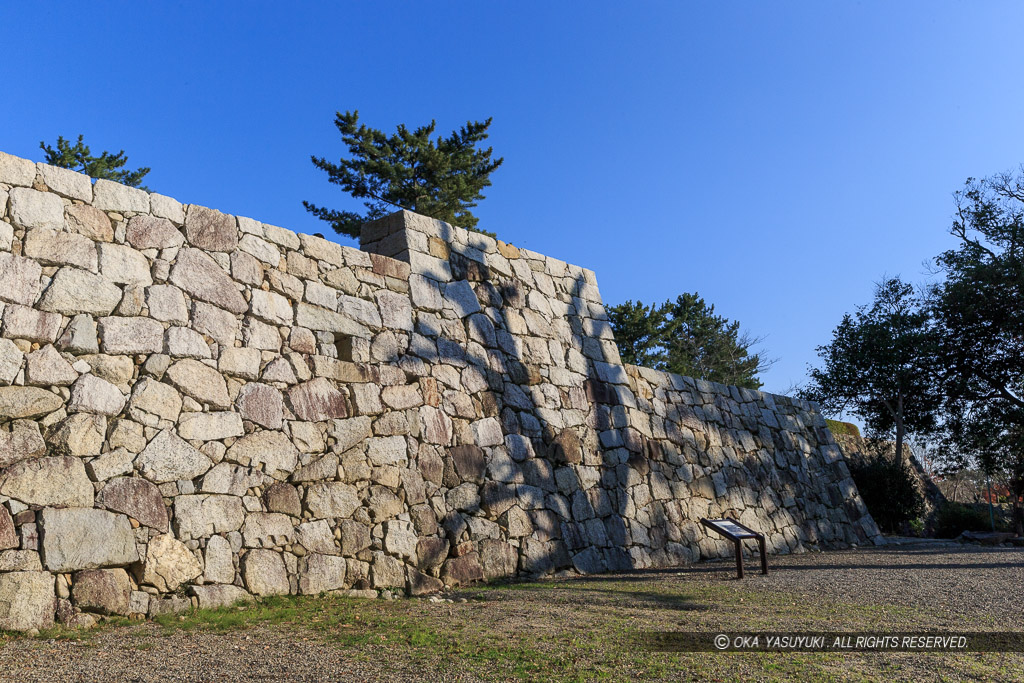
136,498
264,573
262,404
196,516
201,382
199,275
74,291
169,458
269,450
317,400
33,209
131,335
107,591
26,600
210,229
91,394
59,480
86,538
168,564
111,196
331,499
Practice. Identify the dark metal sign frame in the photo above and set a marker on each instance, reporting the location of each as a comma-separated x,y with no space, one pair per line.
719,527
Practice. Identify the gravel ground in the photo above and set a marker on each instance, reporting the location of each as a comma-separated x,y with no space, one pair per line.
953,585
951,579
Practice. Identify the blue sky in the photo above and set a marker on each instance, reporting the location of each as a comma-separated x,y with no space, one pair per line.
779,158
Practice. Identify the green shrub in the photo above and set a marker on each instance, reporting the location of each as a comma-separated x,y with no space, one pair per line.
889,492
952,519
842,428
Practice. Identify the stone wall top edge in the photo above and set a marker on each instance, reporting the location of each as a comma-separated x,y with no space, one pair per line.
108,195
472,245
681,382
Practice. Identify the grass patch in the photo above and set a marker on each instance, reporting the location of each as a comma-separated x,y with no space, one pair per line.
840,428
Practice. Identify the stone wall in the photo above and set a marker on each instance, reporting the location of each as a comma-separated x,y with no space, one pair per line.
198,407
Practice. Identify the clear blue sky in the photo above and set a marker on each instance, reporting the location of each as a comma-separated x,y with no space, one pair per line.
778,157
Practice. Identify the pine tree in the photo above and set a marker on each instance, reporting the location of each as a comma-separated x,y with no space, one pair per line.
408,170
686,337
78,157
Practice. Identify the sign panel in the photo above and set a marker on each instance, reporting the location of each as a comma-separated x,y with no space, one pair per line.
731,528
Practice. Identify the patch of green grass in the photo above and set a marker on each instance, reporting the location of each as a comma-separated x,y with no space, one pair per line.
842,428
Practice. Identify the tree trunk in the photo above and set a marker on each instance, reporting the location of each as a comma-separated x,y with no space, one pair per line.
900,433
1018,513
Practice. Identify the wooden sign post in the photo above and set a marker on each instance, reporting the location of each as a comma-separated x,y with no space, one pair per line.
736,533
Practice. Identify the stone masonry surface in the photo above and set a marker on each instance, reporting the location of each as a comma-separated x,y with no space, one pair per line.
197,408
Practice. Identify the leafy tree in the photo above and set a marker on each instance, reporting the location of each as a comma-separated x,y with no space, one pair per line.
686,337
979,308
638,329
888,490
78,157
881,366
408,170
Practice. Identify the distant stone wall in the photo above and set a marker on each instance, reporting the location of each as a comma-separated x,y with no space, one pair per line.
197,408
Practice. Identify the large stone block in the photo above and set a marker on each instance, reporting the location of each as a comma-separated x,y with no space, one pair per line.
218,561
262,404
217,595
317,400
136,498
33,209
167,303
151,232
22,322
58,248
264,573
59,480
322,319
152,400
16,171
210,229
74,291
19,279
284,498
107,591
231,479
86,538
169,458
24,441
11,359
91,394
26,601
331,499
46,367
201,382
8,534
270,450
199,275
168,564
196,516
124,265
271,307
110,196
66,182
321,573
131,335
267,530
210,426
89,222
